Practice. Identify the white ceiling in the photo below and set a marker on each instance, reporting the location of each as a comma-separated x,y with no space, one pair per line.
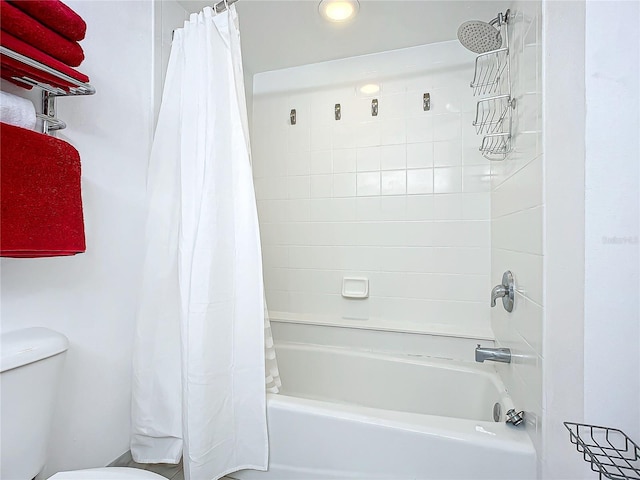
285,33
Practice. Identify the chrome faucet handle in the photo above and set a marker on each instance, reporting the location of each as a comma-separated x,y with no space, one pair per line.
506,290
498,292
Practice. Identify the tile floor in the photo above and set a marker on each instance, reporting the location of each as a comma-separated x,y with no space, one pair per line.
167,470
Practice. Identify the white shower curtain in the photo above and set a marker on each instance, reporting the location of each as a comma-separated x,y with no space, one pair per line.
199,385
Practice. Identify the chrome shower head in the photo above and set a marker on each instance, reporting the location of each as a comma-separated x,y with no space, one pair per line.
479,36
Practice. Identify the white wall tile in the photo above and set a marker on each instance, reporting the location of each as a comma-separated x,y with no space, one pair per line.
420,128
393,157
320,162
448,153
344,160
393,208
516,223
476,178
321,137
368,184
298,139
298,187
298,210
343,135
368,134
343,209
392,106
344,185
298,163
419,234
321,233
321,210
420,181
447,180
420,155
368,159
446,127
420,207
447,207
361,198
368,209
393,131
476,206
520,231
461,260
394,182
321,186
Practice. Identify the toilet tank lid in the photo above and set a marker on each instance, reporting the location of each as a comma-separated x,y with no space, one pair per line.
28,345
108,473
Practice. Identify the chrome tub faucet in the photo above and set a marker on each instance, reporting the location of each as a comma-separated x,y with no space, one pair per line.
502,355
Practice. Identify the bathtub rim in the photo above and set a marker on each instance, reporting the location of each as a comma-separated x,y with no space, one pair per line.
489,434
485,370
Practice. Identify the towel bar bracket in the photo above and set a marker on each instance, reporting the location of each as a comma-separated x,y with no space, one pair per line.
49,121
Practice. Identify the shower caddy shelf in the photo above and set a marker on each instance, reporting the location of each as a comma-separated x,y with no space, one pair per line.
489,70
611,453
50,123
492,76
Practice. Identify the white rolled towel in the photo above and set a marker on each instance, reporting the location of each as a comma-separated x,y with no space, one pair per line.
17,111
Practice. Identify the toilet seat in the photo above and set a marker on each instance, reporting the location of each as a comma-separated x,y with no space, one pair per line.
108,473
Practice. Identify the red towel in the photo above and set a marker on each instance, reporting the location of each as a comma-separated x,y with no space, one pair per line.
8,73
12,43
29,30
55,15
41,203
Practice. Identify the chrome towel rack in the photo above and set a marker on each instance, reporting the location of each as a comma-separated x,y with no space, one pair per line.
50,123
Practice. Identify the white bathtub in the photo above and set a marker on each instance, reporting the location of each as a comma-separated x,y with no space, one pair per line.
348,414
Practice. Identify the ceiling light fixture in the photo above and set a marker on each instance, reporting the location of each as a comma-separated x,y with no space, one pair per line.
369,88
338,10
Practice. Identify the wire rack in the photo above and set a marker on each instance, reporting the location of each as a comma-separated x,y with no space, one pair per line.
492,76
491,114
610,451
496,146
490,69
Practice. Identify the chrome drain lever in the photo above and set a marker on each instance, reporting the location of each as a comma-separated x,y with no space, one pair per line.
515,418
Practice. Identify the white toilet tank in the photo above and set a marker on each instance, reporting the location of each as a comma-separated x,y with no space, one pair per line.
29,375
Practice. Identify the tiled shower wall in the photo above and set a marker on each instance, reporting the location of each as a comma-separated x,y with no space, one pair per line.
401,198
517,219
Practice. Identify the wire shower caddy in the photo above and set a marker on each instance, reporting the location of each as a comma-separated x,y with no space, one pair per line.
611,453
492,76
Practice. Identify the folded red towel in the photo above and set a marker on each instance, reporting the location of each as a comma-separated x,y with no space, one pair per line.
29,30
8,73
12,68
40,197
55,15
11,42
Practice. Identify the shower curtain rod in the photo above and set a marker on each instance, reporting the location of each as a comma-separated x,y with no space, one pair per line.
222,6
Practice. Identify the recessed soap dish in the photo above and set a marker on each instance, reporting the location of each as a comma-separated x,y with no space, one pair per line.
355,287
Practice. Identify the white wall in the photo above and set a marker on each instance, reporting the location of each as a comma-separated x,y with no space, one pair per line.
564,280
92,297
612,289
168,15
591,194
401,198
516,221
